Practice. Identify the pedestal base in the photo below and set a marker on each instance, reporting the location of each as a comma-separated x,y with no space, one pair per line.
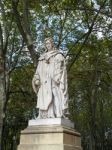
49,137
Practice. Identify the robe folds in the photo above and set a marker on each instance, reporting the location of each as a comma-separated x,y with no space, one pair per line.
52,95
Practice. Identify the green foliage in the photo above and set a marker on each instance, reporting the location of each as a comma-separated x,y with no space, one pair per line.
90,88
22,99
89,76
21,104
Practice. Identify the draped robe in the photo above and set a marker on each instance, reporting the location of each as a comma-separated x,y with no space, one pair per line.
52,95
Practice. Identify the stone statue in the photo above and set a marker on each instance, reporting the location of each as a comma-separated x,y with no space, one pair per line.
50,83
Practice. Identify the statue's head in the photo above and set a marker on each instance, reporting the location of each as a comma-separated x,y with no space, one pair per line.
49,44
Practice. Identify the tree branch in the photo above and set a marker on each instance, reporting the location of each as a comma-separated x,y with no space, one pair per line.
1,41
62,27
24,33
106,13
87,36
16,60
5,30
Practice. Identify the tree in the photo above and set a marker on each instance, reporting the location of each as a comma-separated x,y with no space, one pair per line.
75,26
21,105
90,81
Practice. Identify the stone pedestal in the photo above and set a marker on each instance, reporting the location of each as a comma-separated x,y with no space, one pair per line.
50,134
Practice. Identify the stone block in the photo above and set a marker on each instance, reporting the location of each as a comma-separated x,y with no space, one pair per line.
50,137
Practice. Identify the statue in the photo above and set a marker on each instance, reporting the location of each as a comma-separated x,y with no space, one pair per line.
50,83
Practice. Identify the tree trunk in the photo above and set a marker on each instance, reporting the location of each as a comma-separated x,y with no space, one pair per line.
111,6
2,96
92,119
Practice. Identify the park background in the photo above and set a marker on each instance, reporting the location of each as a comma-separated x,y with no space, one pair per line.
82,30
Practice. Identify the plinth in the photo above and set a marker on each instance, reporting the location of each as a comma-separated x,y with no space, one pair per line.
50,134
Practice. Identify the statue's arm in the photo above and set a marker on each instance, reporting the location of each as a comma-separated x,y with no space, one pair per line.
36,81
59,66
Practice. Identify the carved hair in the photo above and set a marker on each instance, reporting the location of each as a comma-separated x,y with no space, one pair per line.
51,40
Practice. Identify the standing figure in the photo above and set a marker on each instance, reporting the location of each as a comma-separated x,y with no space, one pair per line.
50,83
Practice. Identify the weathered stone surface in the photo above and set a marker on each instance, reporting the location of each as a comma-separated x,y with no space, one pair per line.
48,147
51,121
50,83
49,137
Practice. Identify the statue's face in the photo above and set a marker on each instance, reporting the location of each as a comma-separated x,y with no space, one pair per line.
49,45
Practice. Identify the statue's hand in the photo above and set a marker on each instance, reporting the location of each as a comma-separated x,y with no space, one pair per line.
37,82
